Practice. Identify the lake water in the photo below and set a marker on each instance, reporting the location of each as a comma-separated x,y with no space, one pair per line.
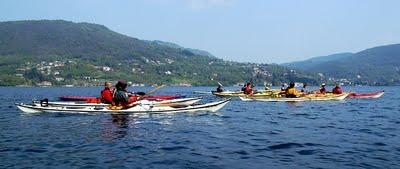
335,134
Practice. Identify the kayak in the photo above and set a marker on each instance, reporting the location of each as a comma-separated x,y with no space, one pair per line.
173,102
91,98
366,95
141,108
241,94
310,97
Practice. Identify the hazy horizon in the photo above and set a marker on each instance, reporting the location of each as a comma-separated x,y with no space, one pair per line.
245,31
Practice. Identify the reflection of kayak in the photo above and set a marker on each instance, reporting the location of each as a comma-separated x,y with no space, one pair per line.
310,97
173,102
213,107
366,95
91,98
241,94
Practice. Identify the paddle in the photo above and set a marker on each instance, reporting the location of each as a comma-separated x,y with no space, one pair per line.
148,93
154,90
141,97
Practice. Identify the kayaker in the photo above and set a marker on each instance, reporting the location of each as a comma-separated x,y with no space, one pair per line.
266,86
107,93
322,89
337,89
243,88
291,91
283,88
219,88
121,96
248,89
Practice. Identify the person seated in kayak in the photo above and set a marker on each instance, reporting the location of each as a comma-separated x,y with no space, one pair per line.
243,88
283,88
322,89
122,97
291,91
266,86
337,89
107,93
219,88
248,89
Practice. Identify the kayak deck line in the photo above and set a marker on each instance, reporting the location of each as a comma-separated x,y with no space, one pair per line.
181,101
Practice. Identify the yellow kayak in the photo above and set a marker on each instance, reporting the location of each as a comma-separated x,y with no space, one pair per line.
309,97
264,93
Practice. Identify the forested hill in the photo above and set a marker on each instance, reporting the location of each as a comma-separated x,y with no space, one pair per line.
63,52
375,66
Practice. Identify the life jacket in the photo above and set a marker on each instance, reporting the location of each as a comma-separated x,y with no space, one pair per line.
219,89
322,90
291,92
337,90
248,90
106,96
121,98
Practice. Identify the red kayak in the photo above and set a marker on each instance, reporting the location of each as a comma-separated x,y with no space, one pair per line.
91,98
76,98
366,95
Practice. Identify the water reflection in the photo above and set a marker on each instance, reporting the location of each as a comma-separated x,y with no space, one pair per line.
120,120
118,126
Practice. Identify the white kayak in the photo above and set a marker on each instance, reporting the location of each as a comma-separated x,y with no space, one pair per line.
173,102
298,99
141,108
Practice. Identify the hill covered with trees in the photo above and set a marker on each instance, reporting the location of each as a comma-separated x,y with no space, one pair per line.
67,53
375,66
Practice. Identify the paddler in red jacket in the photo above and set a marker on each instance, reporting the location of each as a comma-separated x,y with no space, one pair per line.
107,93
322,89
337,89
248,89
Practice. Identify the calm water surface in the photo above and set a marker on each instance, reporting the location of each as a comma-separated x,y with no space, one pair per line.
345,134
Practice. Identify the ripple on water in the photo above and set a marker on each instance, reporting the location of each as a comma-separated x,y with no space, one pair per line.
174,148
354,134
306,152
285,146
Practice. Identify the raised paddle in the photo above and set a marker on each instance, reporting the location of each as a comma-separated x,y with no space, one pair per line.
154,90
141,97
148,93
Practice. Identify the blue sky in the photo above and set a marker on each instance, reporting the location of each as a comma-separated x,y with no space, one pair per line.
262,31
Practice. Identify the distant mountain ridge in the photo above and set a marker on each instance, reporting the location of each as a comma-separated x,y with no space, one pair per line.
374,66
63,52
310,63
173,45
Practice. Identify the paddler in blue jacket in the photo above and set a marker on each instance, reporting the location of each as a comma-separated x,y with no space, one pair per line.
122,97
